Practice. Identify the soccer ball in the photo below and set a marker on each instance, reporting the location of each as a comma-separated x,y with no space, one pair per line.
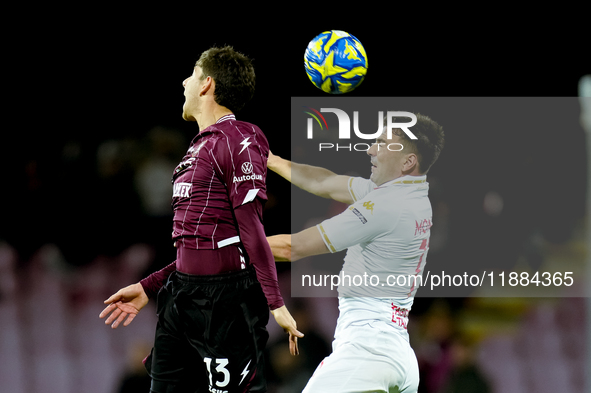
335,62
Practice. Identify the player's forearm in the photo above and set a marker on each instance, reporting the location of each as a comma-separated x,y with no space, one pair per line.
280,166
280,247
252,236
307,243
313,179
156,280
264,264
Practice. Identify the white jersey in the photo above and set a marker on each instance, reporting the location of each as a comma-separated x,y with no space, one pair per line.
386,233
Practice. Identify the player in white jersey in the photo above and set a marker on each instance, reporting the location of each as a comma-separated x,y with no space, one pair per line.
386,231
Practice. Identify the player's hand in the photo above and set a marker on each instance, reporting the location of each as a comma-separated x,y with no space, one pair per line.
286,321
126,303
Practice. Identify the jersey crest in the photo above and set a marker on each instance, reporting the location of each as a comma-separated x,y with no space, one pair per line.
369,206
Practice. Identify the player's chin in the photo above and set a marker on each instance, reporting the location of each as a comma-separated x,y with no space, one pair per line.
374,178
187,117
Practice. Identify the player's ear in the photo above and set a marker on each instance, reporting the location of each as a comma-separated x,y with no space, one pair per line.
206,85
410,163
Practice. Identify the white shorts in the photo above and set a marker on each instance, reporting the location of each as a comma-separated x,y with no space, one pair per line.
369,357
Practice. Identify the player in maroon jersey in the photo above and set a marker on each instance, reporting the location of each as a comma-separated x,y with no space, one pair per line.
212,313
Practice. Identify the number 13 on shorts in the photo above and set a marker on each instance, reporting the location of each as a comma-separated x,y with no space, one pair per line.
221,368
221,364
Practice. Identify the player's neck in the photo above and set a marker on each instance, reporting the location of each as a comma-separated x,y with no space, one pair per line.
211,115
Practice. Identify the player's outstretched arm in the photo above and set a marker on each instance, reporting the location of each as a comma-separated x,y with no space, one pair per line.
316,180
126,303
307,243
285,320
300,245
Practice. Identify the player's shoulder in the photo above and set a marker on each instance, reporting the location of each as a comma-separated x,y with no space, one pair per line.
234,127
239,133
387,201
359,187
375,205
379,206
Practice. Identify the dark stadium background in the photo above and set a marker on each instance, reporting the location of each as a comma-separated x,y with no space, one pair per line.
104,87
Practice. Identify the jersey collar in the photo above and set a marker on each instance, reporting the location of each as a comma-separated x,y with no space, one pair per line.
405,180
230,116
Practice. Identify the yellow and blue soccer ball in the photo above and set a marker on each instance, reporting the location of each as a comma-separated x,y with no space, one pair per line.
335,62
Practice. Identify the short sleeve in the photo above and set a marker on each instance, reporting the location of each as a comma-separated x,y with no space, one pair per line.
361,222
360,187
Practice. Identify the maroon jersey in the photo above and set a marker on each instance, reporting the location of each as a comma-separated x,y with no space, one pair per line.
217,192
225,167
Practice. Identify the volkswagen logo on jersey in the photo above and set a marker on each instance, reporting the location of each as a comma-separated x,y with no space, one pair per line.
247,168
247,173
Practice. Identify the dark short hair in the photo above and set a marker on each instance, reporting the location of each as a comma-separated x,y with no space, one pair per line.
429,144
233,74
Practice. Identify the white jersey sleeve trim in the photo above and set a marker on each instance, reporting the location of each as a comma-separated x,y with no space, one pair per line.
325,238
353,197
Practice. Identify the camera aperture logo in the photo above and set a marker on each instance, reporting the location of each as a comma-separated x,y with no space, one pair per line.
344,129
